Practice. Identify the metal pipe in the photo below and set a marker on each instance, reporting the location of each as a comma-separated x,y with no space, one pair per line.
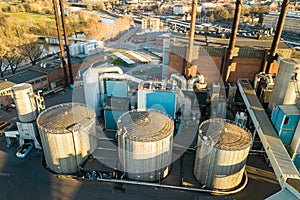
116,76
62,51
230,50
261,75
91,84
199,78
273,51
61,5
179,78
178,187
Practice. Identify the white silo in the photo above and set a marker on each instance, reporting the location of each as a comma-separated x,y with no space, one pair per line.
145,144
23,96
284,88
221,154
68,135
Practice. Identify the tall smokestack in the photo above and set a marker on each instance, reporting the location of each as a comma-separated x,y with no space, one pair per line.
66,42
230,50
61,47
273,51
189,56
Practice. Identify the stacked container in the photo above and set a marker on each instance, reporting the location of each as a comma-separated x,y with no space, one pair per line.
285,119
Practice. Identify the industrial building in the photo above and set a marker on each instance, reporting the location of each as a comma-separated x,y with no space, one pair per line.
5,93
151,23
172,132
38,80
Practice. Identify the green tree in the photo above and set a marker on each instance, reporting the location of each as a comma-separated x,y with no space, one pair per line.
221,13
74,25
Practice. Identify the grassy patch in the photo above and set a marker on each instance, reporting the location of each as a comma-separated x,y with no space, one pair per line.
35,17
119,62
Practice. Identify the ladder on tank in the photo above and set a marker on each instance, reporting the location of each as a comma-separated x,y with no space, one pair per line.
40,102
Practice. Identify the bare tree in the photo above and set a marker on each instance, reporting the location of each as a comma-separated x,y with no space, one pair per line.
33,51
14,34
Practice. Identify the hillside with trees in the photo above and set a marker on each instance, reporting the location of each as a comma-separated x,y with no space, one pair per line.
22,22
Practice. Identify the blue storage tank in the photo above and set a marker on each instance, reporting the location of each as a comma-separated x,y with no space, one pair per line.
116,88
285,117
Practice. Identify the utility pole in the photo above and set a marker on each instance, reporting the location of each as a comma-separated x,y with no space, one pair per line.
272,54
230,51
61,47
61,5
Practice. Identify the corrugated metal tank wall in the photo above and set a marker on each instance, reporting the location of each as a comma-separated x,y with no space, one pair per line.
68,135
25,103
145,144
221,154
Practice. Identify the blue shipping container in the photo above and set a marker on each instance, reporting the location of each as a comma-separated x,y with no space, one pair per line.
286,135
285,117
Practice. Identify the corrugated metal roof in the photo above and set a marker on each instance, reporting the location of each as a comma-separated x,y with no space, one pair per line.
67,117
225,136
290,109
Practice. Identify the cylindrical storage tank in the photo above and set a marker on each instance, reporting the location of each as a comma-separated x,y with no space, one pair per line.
221,154
145,144
23,96
288,68
68,135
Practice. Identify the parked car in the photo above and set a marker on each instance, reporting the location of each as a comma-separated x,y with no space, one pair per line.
24,150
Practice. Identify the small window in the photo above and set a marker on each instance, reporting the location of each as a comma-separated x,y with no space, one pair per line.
43,79
286,120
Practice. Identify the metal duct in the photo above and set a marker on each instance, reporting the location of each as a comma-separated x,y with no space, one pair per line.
181,79
91,84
